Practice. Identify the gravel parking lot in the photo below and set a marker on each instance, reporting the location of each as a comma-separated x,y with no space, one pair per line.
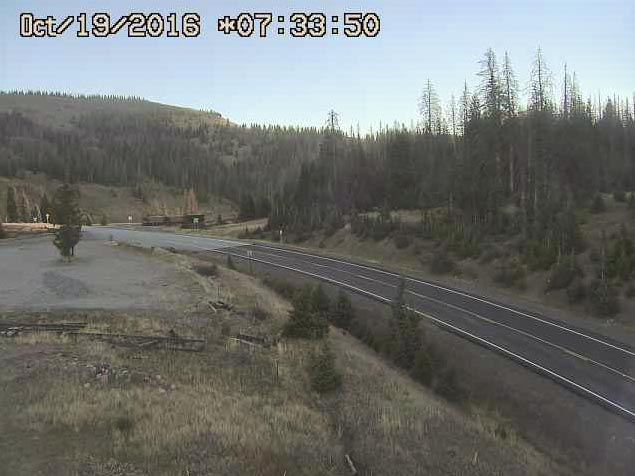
102,276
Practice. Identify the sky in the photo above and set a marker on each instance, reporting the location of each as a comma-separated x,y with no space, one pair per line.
296,81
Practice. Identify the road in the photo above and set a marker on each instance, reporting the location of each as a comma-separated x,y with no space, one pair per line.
594,366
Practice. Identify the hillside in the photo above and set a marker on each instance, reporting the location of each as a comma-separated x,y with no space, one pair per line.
62,112
124,142
113,202
80,406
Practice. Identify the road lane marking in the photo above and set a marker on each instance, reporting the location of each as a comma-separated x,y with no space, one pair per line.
454,291
611,404
477,316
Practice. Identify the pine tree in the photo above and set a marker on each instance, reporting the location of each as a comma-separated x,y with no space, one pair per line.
343,313
67,214
12,206
322,370
304,322
66,206
320,301
66,238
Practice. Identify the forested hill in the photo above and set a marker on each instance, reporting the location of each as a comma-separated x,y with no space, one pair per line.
494,162
124,141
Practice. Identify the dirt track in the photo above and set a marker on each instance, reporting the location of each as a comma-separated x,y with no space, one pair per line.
32,276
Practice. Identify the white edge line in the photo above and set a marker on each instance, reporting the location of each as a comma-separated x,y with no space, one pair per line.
438,321
454,291
454,328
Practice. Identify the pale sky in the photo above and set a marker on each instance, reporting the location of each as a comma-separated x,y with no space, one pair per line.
285,80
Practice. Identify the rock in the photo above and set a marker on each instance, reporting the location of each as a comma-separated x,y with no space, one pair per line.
87,384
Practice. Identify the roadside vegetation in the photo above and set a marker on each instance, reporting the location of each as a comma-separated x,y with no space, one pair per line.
254,401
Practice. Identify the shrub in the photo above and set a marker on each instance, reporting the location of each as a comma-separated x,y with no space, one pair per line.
510,273
577,291
104,220
207,270
402,240
66,238
595,255
342,314
320,302
304,322
322,371
598,205
629,292
604,298
490,254
280,286
442,263
563,274
447,385
261,314
619,196
423,371
631,200
230,262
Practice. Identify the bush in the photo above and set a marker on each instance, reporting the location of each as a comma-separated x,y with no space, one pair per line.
423,371
280,286
490,254
322,371
66,238
447,385
343,314
104,220
598,205
261,314
577,291
631,200
402,240
595,255
604,298
320,302
629,292
230,262
511,273
563,274
304,322
442,263
207,270
619,196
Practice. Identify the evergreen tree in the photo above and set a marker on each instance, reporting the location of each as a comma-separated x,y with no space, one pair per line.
320,301
66,238
323,372
304,322
343,313
66,206
67,214
12,206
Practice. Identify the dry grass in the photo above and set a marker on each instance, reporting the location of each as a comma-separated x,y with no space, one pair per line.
116,202
235,409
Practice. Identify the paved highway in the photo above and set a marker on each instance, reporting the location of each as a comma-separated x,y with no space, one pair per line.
589,364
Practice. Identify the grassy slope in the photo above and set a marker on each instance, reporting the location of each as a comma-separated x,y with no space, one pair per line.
223,411
116,202
58,112
474,274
